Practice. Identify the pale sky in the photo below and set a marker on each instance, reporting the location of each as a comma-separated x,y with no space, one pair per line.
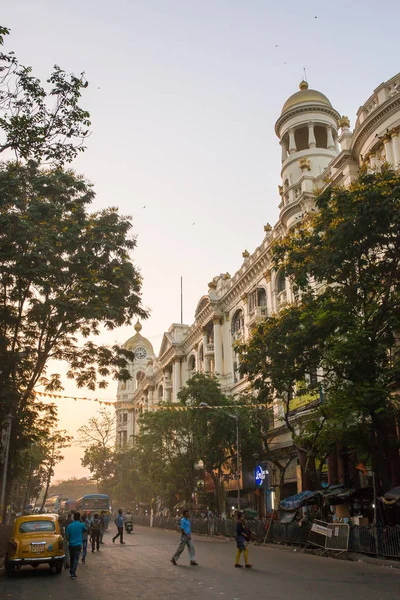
183,98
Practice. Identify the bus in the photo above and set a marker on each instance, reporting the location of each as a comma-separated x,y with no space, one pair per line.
92,503
53,504
68,506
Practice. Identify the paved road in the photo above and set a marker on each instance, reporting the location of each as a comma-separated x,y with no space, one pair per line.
142,569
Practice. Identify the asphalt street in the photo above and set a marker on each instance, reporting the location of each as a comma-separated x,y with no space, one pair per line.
142,569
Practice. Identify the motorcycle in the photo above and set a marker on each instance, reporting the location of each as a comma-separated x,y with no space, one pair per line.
129,527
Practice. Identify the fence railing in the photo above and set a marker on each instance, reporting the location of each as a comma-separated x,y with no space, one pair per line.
385,541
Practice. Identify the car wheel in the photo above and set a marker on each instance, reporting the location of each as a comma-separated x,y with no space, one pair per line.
9,567
59,567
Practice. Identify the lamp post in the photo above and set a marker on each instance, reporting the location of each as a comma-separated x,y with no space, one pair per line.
8,420
236,417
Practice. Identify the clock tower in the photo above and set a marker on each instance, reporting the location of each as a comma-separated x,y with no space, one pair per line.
143,352
126,415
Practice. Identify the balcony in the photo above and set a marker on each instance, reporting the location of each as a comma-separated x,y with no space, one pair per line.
258,314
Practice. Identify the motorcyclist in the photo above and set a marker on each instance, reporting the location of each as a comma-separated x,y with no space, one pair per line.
128,521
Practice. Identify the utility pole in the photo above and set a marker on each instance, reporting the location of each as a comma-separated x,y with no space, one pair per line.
237,460
8,420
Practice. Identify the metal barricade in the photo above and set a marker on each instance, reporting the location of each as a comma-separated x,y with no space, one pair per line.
337,538
330,536
318,533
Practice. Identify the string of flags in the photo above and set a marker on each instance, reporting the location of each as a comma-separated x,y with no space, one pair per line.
154,407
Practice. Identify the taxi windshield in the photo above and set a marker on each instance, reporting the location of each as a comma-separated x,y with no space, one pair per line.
36,526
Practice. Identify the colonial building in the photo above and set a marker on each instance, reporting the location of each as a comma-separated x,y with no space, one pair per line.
318,147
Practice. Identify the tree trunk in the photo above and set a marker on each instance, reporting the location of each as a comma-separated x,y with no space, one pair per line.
48,479
219,493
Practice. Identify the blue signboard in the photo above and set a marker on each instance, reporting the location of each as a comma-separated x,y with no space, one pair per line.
260,474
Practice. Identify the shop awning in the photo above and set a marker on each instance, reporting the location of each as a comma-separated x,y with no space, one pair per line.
298,500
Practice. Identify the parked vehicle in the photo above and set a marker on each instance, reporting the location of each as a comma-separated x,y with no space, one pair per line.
35,540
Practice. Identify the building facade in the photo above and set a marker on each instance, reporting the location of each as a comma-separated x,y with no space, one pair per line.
317,148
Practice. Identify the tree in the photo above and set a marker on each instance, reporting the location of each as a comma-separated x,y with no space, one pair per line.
64,274
52,454
182,436
97,437
343,260
39,123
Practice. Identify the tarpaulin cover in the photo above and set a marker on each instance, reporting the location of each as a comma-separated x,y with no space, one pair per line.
288,516
295,502
393,494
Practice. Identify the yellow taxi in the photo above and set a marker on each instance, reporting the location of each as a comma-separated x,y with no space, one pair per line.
35,540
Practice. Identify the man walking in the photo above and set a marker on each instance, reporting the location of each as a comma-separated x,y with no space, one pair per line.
74,535
186,540
95,531
85,534
119,521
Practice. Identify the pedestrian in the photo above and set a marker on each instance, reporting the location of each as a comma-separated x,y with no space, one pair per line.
119,521
67,563
85,535
243,536
103,526
74,535
186,540
95,531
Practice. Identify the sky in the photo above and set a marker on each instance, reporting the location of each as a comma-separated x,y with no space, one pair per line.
183,97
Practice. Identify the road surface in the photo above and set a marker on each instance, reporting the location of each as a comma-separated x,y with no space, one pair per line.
142,569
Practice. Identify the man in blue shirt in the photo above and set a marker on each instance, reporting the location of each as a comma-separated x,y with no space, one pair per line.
119,521
186,540
74,536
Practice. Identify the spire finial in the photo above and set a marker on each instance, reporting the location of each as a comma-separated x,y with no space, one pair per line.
138,327
303,85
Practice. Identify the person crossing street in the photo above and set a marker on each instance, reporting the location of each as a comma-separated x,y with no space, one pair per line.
119,521
186,540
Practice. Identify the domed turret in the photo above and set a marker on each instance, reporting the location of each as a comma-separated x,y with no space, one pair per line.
305,95
307,129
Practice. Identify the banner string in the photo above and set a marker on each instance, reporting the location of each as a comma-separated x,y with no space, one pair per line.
154,407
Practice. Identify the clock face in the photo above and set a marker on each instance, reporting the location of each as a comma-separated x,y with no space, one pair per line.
140,353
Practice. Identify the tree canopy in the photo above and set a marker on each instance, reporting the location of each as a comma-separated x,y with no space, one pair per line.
44,123
343,262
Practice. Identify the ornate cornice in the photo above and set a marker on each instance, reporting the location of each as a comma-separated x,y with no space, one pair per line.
305,109
373,120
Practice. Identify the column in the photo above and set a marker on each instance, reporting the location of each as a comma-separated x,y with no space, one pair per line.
217,346
330,142
396,148
176,379
387,141
151,398
312,142
292,142
372,160
284,151
206,358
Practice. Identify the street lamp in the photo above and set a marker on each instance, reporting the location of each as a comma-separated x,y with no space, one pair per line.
236,417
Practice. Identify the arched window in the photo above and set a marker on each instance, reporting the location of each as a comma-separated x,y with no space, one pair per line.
192,364
160,393
281,283
201,354
261,297
237,322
